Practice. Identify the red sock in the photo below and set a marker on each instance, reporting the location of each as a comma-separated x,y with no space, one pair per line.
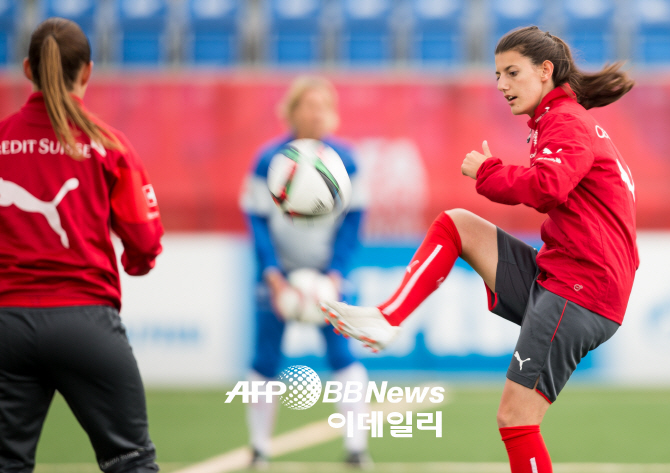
526,450
429,267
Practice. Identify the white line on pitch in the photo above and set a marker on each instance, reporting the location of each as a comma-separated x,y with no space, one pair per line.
453,467
428,467
303,437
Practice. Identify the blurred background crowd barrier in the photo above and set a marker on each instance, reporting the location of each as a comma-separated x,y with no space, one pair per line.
194,84
339,33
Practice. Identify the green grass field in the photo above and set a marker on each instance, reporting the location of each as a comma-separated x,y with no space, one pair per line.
594,425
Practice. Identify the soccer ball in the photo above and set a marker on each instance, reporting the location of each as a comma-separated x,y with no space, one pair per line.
313,287
307,179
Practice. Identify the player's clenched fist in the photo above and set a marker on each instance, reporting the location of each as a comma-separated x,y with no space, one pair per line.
474,159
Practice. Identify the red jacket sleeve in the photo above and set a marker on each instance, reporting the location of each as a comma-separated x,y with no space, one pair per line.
562,158
134,212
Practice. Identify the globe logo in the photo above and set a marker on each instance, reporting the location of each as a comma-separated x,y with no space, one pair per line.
303,387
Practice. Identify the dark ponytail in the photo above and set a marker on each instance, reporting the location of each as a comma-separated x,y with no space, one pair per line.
58,50
592,89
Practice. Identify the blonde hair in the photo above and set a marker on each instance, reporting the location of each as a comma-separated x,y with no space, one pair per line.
58,50
298,88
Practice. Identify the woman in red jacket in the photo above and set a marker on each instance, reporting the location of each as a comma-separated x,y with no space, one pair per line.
66,180
572,295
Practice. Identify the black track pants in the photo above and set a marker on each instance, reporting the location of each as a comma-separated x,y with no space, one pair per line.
83,353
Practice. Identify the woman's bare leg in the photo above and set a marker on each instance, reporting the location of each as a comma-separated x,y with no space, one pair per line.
479,242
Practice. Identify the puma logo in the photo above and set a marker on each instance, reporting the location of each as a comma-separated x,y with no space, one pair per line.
13,194
521,362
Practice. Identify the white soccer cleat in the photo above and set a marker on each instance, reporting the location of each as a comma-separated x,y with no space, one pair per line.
366,324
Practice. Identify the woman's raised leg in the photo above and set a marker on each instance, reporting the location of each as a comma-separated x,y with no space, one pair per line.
454,233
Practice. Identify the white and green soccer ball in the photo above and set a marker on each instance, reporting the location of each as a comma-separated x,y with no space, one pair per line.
307,179
312,287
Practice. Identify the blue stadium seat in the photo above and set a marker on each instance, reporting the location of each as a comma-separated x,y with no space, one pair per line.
589,30
83,12
142,31
295,31
510,14
437,34
8,12
653,36
366,32
214,31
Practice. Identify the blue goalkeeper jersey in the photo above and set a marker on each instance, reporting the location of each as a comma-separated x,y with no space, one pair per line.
324,244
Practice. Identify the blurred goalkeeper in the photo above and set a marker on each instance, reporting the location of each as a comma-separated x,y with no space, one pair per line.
285,251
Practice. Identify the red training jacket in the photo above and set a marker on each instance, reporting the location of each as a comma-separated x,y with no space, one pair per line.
56,214
579,179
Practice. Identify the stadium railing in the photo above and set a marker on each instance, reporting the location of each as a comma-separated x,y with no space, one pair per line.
438,36
83,12
652,37
8,15
366,34
589,30
507,15
294,34
141,37
213,32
